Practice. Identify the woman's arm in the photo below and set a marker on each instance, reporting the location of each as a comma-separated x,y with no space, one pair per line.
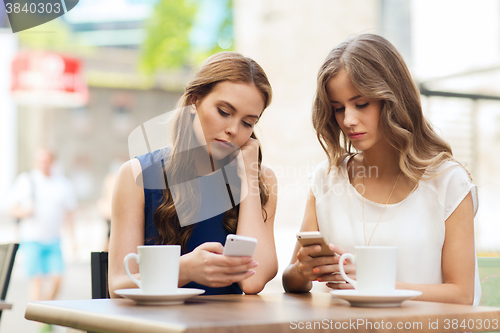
251,223
458,260
127,228
304,269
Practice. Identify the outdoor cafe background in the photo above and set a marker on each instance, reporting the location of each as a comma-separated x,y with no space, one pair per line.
134,57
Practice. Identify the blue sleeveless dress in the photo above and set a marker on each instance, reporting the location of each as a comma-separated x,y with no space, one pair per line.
209,230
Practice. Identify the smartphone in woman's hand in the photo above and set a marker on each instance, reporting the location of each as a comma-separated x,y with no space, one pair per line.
307,238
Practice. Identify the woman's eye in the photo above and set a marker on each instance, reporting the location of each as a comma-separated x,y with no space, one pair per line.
222,113
362,106
337,109
247,124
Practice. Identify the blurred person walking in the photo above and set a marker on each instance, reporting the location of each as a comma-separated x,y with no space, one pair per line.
42,200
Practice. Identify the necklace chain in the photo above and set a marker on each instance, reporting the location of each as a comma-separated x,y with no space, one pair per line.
385,206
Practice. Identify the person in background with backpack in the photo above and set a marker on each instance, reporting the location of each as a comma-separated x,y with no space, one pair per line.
42,201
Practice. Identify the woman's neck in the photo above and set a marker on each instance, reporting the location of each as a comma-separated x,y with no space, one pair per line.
385,161
205,164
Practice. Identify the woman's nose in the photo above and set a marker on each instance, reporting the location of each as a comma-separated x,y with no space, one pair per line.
350,118
232,128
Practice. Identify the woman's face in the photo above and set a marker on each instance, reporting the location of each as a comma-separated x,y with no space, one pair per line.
357,116
225,118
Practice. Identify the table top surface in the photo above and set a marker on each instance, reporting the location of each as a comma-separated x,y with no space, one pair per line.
260,313
5,306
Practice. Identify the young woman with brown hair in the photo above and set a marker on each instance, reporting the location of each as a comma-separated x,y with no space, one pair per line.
389,180
213,124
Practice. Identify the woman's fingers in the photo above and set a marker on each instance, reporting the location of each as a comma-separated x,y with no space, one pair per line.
311,267
214,247
338,249
223,280
339,285
348,268
238,268
307,253
220,264
333,274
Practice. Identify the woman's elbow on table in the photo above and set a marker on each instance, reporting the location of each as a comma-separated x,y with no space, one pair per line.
466,297
252,287
256,284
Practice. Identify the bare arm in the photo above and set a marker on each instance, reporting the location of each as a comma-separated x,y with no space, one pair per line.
18,212
458,260
127,229
251,223
69,226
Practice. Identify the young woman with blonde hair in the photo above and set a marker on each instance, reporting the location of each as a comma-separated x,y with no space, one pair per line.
389,180
184,194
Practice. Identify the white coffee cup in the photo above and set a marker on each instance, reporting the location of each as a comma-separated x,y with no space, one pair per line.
158,266
375,269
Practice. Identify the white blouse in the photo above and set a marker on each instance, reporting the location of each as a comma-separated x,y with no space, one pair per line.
415,225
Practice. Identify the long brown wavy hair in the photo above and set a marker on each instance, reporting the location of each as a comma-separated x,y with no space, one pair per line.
378,71
225,66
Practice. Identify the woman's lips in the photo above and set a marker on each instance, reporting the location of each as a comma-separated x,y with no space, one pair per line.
355,136
224,144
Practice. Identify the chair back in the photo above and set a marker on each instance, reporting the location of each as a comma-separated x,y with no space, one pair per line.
7,257
99,271
489,275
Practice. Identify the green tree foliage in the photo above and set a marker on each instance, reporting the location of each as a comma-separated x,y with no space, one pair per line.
225,36
167,41
167,45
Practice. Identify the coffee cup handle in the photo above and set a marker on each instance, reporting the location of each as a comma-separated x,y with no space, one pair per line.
125,263
341,267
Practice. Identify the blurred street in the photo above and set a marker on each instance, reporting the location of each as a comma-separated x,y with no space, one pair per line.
91,231
91,236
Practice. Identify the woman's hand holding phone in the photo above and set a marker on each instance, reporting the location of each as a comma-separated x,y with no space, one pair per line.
207,266
313,268
318,261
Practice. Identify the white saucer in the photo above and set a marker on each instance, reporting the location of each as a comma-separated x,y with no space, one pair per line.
177,297
376,301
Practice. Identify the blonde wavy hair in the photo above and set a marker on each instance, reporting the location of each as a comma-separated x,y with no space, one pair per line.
378,71
224,66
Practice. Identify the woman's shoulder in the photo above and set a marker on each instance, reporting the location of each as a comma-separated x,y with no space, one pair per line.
267,172
128,178
269,176
325,169
446,172
154,157
450,182
149,168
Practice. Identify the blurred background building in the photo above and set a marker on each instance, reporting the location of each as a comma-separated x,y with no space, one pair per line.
137,55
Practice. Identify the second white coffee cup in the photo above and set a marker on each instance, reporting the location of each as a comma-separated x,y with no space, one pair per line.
375,269
158,266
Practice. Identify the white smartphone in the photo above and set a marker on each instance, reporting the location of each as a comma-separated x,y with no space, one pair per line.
307,238
239,246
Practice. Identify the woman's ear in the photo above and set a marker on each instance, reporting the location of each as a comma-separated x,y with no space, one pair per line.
194,100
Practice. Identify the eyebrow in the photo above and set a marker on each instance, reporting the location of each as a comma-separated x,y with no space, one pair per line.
350,99
229,105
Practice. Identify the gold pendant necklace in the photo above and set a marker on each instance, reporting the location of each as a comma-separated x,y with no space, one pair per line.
376,225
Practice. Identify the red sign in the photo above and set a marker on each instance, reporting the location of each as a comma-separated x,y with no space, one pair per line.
48,79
